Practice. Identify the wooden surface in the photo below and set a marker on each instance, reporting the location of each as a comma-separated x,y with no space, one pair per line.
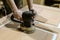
8,34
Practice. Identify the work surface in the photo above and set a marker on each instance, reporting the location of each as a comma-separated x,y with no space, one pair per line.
9,32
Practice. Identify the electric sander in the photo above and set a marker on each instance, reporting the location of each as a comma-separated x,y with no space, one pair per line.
26,25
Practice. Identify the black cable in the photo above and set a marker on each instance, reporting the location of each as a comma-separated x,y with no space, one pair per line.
12,18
